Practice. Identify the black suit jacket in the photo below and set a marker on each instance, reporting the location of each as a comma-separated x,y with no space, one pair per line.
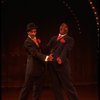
61,49
35,58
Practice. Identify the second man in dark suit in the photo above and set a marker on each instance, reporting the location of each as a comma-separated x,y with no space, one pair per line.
60,46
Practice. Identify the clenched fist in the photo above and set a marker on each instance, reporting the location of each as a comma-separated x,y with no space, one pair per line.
50,57
59,60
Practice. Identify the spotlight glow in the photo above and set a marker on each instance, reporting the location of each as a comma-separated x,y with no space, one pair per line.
96,18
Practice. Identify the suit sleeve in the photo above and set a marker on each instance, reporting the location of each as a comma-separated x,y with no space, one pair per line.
33,51
67,49
47,48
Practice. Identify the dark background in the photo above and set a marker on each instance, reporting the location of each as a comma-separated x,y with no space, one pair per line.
48,15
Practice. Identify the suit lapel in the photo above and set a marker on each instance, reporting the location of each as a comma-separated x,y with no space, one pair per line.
34,44
57,44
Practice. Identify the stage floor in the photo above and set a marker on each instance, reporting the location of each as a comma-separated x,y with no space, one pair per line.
84,92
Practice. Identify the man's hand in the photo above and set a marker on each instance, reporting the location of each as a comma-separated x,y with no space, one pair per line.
50,57
59,60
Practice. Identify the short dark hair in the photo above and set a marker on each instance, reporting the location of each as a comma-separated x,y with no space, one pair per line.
63,24
30,26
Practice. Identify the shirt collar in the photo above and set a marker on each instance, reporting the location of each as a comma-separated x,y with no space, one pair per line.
31,37
62,35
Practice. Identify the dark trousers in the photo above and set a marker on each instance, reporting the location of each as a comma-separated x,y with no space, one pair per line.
34,84
61,81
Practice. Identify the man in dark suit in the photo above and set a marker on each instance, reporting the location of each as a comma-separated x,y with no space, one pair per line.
59,69
35,64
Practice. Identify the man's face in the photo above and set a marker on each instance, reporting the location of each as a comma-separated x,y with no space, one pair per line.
32,32
63,29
